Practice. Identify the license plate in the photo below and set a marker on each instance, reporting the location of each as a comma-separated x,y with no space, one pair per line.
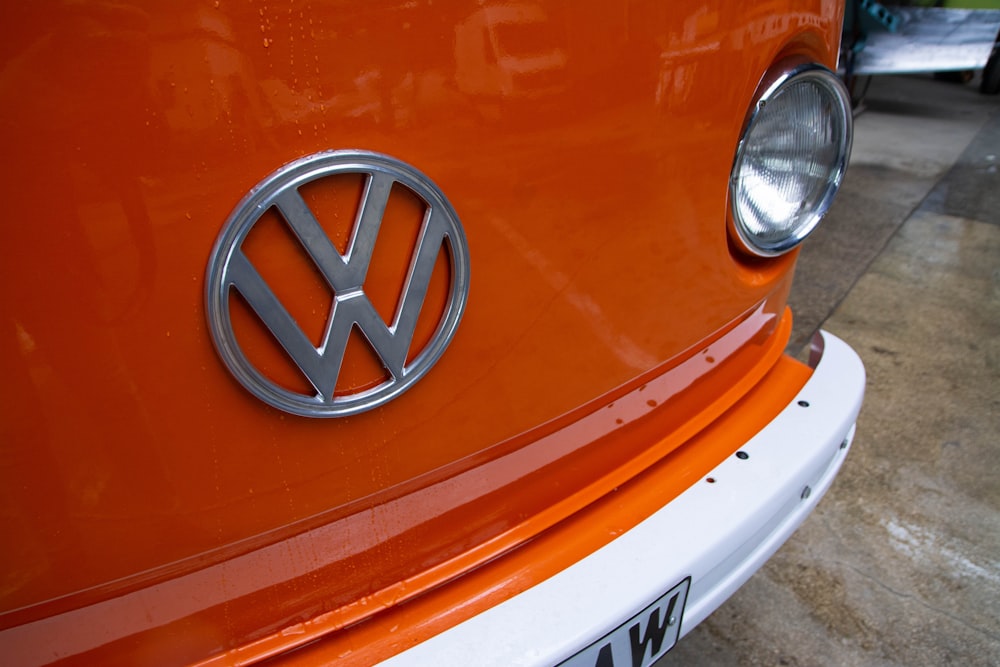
641,640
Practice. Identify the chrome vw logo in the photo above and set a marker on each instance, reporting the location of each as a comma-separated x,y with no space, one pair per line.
230,269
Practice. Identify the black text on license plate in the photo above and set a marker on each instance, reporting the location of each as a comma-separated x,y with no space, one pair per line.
642,639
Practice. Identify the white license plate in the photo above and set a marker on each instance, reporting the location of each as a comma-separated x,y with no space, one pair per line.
641,640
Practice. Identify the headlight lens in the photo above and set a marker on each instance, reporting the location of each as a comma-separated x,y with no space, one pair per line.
791,158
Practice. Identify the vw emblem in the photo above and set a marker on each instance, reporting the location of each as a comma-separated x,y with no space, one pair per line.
230,269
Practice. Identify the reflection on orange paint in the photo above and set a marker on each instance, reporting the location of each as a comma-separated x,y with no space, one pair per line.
610,328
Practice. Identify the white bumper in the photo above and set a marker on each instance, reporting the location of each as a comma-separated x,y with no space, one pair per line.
718,534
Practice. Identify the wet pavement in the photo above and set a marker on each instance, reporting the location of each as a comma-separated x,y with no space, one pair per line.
900,563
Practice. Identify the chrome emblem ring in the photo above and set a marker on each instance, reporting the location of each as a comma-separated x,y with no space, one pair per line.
230,269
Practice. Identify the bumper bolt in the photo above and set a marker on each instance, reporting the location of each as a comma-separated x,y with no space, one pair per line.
806,492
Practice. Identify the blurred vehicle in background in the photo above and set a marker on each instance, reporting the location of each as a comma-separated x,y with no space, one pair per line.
952,39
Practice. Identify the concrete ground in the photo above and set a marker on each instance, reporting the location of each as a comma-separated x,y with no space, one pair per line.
900,564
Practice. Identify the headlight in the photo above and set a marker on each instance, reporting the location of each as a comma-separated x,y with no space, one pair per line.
791,158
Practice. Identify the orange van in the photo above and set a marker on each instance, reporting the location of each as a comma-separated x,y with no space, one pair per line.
406,331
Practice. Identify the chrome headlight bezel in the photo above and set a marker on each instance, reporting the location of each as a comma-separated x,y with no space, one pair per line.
779,239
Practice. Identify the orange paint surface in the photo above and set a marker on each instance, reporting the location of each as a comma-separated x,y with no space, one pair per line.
151,506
